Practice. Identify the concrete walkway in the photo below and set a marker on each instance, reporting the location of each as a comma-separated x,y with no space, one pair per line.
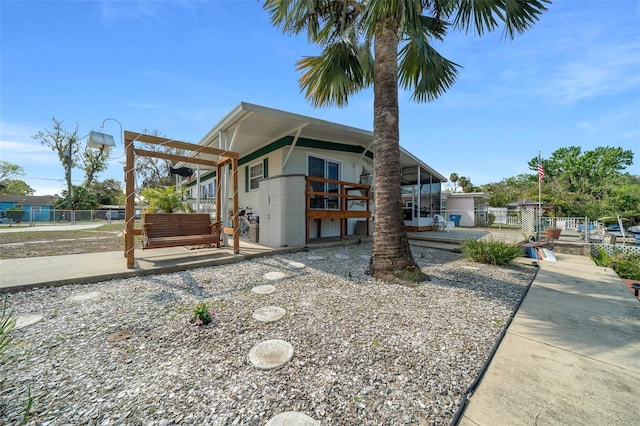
19,274
570,356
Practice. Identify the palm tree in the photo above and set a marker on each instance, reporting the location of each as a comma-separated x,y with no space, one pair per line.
454,178
400,32
81,199
167,199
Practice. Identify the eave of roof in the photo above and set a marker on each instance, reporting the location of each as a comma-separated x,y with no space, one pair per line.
274,124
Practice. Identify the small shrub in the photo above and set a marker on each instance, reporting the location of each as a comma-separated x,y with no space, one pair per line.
202,314
491,219
626,264
491,252
602,258
15,214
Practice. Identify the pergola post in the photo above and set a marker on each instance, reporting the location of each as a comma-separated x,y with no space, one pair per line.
236,228
129,203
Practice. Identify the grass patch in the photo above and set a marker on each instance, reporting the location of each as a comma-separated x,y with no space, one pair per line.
17,245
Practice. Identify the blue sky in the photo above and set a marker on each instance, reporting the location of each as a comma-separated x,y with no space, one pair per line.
179,66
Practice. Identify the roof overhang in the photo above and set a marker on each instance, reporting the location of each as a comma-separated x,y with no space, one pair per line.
249,127
482,195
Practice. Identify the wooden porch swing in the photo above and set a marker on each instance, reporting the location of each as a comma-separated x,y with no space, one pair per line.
170,230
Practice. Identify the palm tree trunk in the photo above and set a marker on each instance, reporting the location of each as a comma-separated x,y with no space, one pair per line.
391,252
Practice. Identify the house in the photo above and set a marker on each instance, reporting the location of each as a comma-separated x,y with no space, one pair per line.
35,208
303,178
467,209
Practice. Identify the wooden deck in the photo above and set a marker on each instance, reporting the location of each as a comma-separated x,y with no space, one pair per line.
333,203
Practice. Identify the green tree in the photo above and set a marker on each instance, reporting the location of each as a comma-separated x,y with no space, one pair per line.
16,187
94,161
511,189
167,199
623,199
108,192
72,153
387,44
465,184
81,199
454,179
9,170
10,186
581,183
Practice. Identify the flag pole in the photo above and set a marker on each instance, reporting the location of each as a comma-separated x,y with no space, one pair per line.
539,197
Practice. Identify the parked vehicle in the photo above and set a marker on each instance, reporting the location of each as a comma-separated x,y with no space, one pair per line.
114,215
635,230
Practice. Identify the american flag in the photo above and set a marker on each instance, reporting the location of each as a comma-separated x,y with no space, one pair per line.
540,170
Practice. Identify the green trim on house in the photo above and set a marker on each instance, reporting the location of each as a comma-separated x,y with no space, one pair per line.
282,142
305,143
246,178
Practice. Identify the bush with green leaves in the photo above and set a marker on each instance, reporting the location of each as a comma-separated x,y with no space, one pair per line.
626,264
202,314
15,214
491,252
168,199
491,219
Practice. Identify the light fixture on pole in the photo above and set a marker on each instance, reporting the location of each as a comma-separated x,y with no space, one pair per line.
103,140
100,141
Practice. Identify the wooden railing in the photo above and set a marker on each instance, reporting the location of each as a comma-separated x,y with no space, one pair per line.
335,202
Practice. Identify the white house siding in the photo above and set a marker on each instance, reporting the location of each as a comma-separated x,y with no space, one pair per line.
464,207
250,200
282,210
298,164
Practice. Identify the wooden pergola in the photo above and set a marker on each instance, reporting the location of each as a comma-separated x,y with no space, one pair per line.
227,158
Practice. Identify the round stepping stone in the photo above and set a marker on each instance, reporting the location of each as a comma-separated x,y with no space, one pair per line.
342,256
263,289
274,275
315,257
26,320
292,418
296,265
86,296
269,313
270,354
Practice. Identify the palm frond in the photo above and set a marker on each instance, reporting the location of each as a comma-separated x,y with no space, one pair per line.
422,68
486,15
323,20
343,68
403,14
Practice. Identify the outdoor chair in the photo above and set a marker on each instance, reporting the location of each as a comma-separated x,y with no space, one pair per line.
442,224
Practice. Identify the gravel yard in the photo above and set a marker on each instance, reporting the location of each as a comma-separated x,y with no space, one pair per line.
365,352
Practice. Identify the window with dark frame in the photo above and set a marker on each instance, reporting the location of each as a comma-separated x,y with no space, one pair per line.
327,169
256,173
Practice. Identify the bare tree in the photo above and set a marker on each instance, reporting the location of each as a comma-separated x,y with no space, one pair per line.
64,143
154,172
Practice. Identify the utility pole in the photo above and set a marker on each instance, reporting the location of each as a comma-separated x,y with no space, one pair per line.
69,166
